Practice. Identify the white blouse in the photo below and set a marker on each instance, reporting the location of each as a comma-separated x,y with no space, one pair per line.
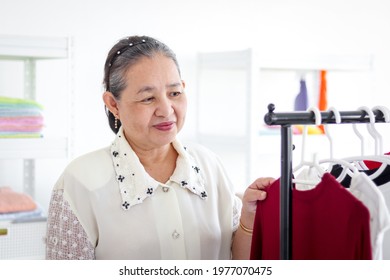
106,206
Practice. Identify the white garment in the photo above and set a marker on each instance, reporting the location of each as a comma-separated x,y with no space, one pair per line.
308,175
364,189
125,214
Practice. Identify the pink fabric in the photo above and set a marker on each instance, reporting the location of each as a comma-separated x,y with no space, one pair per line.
11,201
26,120
328,223
21,124
21,128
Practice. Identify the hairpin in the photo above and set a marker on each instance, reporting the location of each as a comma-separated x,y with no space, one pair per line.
123,49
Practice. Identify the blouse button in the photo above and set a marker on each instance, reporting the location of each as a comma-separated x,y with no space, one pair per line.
165,189
175,235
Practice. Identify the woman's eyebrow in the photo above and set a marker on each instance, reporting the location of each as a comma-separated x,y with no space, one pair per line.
151,88
145,89
173,85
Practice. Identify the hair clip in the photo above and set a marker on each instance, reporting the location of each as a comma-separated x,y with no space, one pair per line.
125,48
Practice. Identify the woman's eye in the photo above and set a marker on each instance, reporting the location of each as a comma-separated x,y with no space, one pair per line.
175,93
147,100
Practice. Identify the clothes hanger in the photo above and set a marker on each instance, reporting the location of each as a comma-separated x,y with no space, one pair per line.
378,155
372,130
349,169
386,114
384,110
314,163
384,168
360,136
314,178
337,116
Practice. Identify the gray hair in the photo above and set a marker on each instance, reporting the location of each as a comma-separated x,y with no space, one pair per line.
124,54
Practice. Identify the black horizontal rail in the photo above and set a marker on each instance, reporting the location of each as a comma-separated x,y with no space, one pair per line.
305,117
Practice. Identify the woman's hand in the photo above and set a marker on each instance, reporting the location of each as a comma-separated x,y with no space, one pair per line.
243,236
256,191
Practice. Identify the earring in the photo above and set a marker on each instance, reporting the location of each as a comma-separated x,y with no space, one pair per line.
116,123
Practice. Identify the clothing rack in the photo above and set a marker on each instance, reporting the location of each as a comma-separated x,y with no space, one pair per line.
285,120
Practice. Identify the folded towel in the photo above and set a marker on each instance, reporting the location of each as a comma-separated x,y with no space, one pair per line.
6,112
11,201
10,101
27,120
20,117
21,128
9,134
15,107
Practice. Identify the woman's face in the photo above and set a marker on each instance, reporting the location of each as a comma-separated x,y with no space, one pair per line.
153,106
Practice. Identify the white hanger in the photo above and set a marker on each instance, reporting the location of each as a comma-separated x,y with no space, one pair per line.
371,129
384,110
358,134
381,157
314,163
337,116
378,157
318,120
386,114
350,168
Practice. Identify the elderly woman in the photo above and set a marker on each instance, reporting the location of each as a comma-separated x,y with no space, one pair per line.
147,195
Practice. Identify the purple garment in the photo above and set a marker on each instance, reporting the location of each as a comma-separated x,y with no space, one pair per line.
301,99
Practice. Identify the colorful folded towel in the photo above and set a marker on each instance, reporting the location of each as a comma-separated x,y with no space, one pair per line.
11,101
20,117
28,120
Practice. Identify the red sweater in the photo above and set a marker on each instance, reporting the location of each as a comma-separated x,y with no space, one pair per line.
329,223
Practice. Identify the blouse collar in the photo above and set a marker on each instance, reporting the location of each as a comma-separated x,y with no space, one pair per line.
136,185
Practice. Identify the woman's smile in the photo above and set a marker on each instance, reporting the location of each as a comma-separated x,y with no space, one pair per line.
164,126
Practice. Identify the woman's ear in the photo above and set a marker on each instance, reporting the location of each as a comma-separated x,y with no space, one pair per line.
111,103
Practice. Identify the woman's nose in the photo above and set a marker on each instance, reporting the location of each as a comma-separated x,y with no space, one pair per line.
164,107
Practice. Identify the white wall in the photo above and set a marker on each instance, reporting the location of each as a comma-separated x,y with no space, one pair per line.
274,27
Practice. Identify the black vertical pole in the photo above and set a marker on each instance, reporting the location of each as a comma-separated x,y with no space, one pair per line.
286,194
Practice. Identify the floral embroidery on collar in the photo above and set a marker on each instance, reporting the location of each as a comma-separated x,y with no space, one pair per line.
136,185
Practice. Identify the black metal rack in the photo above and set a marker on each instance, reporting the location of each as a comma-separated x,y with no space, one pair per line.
285,120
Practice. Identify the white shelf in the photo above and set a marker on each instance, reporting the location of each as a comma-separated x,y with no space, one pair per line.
33,148
30,49
24,239
21,47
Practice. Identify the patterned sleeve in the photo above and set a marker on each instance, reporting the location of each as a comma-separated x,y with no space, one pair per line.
66,239
237,205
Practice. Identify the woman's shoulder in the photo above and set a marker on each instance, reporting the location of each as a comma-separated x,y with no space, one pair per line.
88,169
93,160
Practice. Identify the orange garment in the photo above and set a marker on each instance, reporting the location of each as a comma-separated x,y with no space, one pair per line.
322,100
